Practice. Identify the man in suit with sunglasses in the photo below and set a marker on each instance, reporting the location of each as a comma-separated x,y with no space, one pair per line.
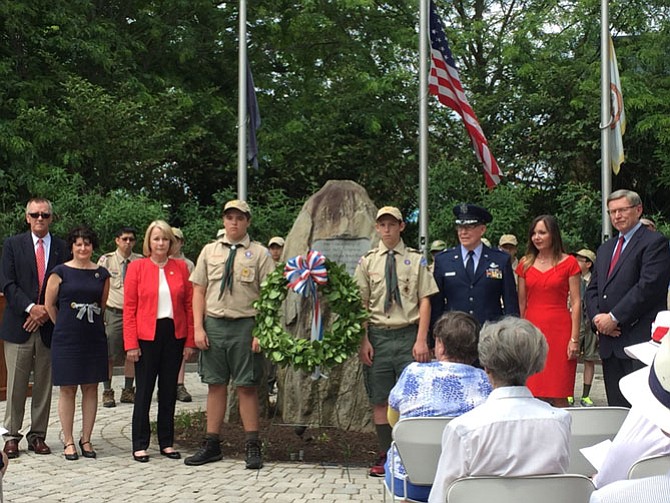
26,329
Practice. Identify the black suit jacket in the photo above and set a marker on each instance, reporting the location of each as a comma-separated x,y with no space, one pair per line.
18,280
489,296
636,290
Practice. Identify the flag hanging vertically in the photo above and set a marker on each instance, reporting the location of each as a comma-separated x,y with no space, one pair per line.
445,83
618,123
254,115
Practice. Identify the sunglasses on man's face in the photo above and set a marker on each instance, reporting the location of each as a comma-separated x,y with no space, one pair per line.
39,214
127,239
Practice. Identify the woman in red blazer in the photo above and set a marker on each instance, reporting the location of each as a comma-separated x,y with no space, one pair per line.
157,334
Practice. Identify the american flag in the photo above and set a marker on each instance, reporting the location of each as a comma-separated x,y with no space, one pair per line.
446,85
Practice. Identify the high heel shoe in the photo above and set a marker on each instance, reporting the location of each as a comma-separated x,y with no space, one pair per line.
141,458
84,452
71,457
171,454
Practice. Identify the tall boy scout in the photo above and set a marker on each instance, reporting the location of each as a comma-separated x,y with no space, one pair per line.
226,282
395,286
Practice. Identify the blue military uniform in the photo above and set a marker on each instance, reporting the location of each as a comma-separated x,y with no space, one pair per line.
491,293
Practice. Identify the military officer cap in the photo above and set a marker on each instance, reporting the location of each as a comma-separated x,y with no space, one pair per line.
468,214
438,245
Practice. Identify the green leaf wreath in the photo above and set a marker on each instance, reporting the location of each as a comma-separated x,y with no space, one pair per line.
342,340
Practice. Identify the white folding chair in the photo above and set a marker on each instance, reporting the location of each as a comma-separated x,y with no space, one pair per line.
568,488
419,444
591,425
650,466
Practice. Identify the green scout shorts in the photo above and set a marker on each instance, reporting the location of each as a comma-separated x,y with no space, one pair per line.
113,319
393,352
229,356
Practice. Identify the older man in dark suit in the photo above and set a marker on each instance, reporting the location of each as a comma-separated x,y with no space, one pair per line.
26,329
473,277
628,286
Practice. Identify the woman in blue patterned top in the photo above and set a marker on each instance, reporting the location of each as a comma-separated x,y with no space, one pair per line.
448,386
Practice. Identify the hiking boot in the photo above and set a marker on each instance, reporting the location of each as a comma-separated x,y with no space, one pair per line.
377,470
587,402
182,394
128,395
571,400
108,398
253,457
208,452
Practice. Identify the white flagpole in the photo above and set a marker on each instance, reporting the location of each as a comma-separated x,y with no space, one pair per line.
423,127
605,118
242,104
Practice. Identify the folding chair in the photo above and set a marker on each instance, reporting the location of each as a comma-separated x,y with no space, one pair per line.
591,425
650,466
419,444
568,488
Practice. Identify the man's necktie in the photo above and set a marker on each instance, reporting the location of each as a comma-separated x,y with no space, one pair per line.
615,257
124,268
227,280
470,264
391,277
40,257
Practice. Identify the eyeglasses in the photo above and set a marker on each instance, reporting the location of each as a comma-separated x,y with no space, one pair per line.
467,227
128,239
39,214
620,210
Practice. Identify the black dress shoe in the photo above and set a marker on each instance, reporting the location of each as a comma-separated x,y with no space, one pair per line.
171,455
12,448
71,457
84,452
141,459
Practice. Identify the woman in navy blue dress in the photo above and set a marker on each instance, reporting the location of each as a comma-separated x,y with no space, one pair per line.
76,294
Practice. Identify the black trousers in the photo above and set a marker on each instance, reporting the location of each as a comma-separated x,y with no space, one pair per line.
160,359
613,370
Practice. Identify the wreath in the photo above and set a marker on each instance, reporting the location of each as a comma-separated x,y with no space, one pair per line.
316,276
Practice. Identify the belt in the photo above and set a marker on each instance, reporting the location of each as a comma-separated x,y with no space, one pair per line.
114,310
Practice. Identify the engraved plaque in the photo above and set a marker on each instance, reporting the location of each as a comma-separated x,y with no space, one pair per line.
343,251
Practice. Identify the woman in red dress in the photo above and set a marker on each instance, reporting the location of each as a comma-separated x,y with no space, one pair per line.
549,298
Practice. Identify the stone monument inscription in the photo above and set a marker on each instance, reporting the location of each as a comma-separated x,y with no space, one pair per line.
343,251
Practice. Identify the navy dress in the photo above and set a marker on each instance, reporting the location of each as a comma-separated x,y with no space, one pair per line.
79,345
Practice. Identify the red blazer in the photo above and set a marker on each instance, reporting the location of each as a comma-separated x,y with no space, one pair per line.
140,301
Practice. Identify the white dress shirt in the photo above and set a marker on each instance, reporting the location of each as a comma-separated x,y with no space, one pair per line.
511,434
646,490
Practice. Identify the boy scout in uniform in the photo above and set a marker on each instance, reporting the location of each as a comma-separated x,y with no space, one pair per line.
226,282
116,263
395,286
276,247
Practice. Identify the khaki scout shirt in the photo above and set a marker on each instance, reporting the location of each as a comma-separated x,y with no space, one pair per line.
113,262
252,263
414,282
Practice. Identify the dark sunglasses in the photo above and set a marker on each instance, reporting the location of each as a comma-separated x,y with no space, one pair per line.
128,239
38,215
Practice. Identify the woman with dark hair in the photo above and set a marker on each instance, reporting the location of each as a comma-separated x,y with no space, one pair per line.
75,296
447,387
549,282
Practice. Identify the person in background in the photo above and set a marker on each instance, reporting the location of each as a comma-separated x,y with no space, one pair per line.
588,342
509,244
276,247
511,433
395,287
648,223
116,263
27,260
157,335
4,463
447,387
75,299
182,393
548,280
436,247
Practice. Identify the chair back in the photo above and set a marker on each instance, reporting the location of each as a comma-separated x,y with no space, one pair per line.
591,425
650,466
569,488
419,443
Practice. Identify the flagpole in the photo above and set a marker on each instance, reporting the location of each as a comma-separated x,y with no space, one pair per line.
605,119
423,127
242,104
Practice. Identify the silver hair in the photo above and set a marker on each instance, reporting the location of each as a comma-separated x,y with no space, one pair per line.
632,197
39,200
512,350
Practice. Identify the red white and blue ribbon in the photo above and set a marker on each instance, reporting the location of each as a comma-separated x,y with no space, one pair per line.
304,274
